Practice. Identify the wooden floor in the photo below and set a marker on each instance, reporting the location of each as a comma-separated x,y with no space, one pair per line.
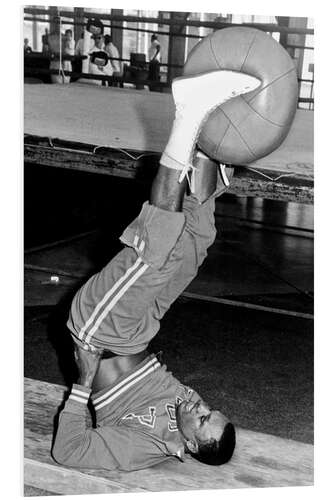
260,460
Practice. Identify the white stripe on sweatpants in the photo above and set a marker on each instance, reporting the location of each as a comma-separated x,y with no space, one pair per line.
106,297
114,301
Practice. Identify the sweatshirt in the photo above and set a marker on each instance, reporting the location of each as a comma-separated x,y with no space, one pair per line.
136,423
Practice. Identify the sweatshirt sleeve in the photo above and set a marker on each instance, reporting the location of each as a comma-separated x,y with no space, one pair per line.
106,447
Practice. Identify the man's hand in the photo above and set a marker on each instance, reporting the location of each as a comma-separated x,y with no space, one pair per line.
87,363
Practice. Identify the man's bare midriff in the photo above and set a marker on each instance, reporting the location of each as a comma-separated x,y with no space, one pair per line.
110,370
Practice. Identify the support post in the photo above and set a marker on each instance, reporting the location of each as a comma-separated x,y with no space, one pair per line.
297,39
117,31
283,21
34,34
53,11
78,20
176,53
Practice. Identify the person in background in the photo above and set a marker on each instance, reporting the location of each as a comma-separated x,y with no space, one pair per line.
86,45
69,43
69,50
154,56
27,48
79,47
99,62
45,43
113,53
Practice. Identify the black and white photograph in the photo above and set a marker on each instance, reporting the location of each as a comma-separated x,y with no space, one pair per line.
168,248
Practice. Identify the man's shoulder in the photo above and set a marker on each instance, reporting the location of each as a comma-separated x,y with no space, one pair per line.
112,48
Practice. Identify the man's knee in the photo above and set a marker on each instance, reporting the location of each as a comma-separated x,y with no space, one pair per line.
154,234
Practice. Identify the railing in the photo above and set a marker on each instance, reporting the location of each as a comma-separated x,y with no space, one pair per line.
31,14
273,28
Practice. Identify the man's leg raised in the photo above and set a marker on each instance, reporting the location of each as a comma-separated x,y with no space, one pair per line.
116,309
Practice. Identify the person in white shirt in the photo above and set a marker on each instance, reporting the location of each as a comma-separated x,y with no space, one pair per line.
113,52
82,45
154,55
99,65
87,43
154,51
69,50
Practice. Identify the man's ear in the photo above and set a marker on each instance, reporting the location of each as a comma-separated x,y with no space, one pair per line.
192,446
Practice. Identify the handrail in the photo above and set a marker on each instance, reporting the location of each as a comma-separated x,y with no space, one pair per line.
124,28
156,20
43,57
91,76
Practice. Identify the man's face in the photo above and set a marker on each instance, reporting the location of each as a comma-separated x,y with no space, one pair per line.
99,41
95,30
198,422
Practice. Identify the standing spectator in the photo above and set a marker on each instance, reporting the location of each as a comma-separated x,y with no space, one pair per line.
154,55
69,50
45,42
113,53
80,45
86,44
99,62
154,51
27,48
69,43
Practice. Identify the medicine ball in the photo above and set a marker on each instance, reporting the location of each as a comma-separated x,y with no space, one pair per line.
253,125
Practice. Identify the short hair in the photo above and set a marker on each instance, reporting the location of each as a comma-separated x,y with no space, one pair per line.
92,21
153,37
215,452
69,31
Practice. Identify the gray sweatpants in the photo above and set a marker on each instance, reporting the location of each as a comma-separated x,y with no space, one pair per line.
120,308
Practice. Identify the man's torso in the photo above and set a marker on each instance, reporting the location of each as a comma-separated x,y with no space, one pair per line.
144,400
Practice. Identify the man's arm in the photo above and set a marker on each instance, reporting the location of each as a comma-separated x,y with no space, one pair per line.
75,444
106,447
78,446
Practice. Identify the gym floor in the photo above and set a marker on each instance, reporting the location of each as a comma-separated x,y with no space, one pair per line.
257,366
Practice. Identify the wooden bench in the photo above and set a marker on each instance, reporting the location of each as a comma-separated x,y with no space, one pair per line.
260,460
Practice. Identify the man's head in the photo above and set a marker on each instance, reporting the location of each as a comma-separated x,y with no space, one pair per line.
26,41
95,26
56,20
99,41
68,34
153,37
207,434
